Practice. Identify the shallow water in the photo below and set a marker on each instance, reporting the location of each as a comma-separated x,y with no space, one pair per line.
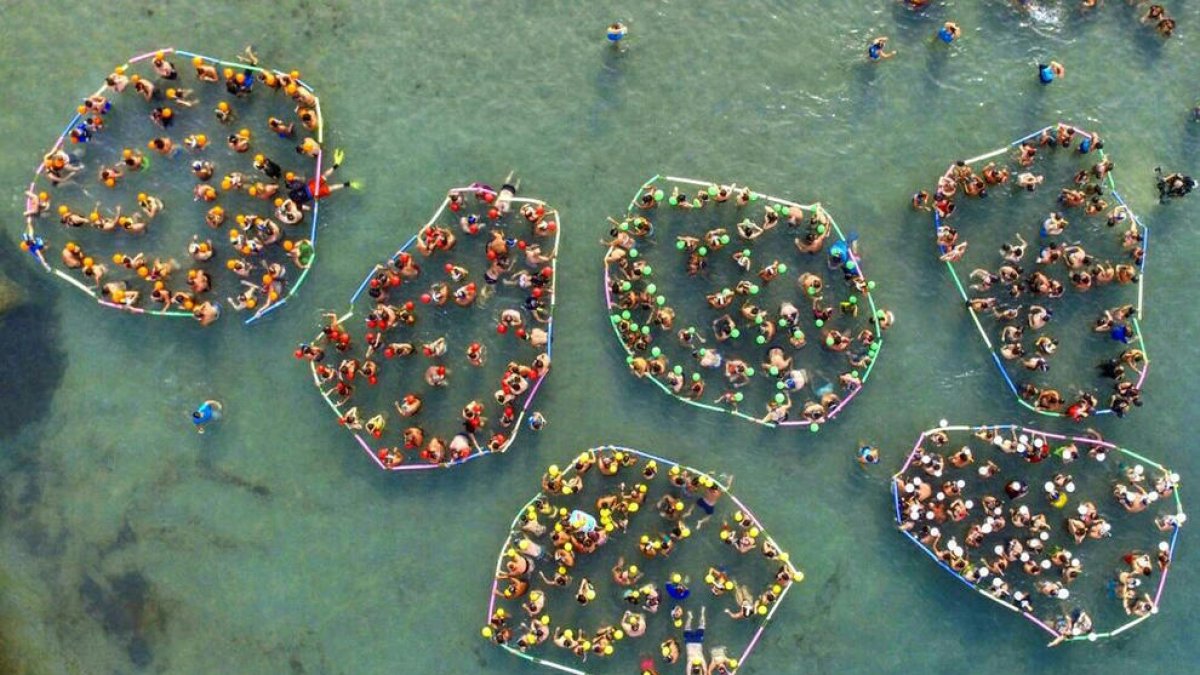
270,544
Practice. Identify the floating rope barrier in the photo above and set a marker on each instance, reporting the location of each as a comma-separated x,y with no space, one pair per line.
101,138
1054,240
428,327
1017,555
553,577
850,339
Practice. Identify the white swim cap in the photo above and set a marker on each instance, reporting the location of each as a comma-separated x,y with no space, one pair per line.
983,471
1049,486
1044,535
961,483
1152,497
1045,564
934,531
999,549
970,504
941,496
1063,594
1070,487
1181,518
1024,557
1082,510
983,572
1163,546
986,528
1023,438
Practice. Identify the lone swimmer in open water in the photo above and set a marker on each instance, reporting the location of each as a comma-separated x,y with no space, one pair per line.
209,411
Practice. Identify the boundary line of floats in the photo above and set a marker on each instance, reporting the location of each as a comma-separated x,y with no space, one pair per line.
479,450
1091,637
797,575
1112,187
266,308
816,206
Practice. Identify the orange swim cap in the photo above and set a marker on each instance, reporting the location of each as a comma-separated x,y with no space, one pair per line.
108,182
167,112
135,78
197,61
230,264
252,191
289,176
273,296
127,153
81,110
228,73
88,262
171,93
44,196
241,220
201,140
233,233
120,70
288,245
217,209
240,78
279,201
188,304
251,303
63,210
291,89
223,106
141,196
267,279
244,133
158,56
295,74
117,258
227,184
143,272
158,285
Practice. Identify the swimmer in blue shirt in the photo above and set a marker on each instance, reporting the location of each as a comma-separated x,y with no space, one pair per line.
949,32
208,411
877,49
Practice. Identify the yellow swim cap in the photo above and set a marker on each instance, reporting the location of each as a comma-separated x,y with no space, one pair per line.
117,258
197,61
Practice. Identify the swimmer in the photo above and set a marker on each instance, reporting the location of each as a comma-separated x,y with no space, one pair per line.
949,32
876,51
1048,72
206,412
616,32
867,455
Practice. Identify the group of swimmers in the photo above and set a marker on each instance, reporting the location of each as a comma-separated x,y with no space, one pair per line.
559,534
990,528
846,328
254,238
407,292
1022,300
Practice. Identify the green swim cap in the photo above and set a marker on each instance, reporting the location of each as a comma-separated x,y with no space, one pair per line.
749,372
735,333
820,322
761,339
651,289
656,352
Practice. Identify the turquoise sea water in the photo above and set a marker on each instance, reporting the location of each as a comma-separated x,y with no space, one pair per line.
271,544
